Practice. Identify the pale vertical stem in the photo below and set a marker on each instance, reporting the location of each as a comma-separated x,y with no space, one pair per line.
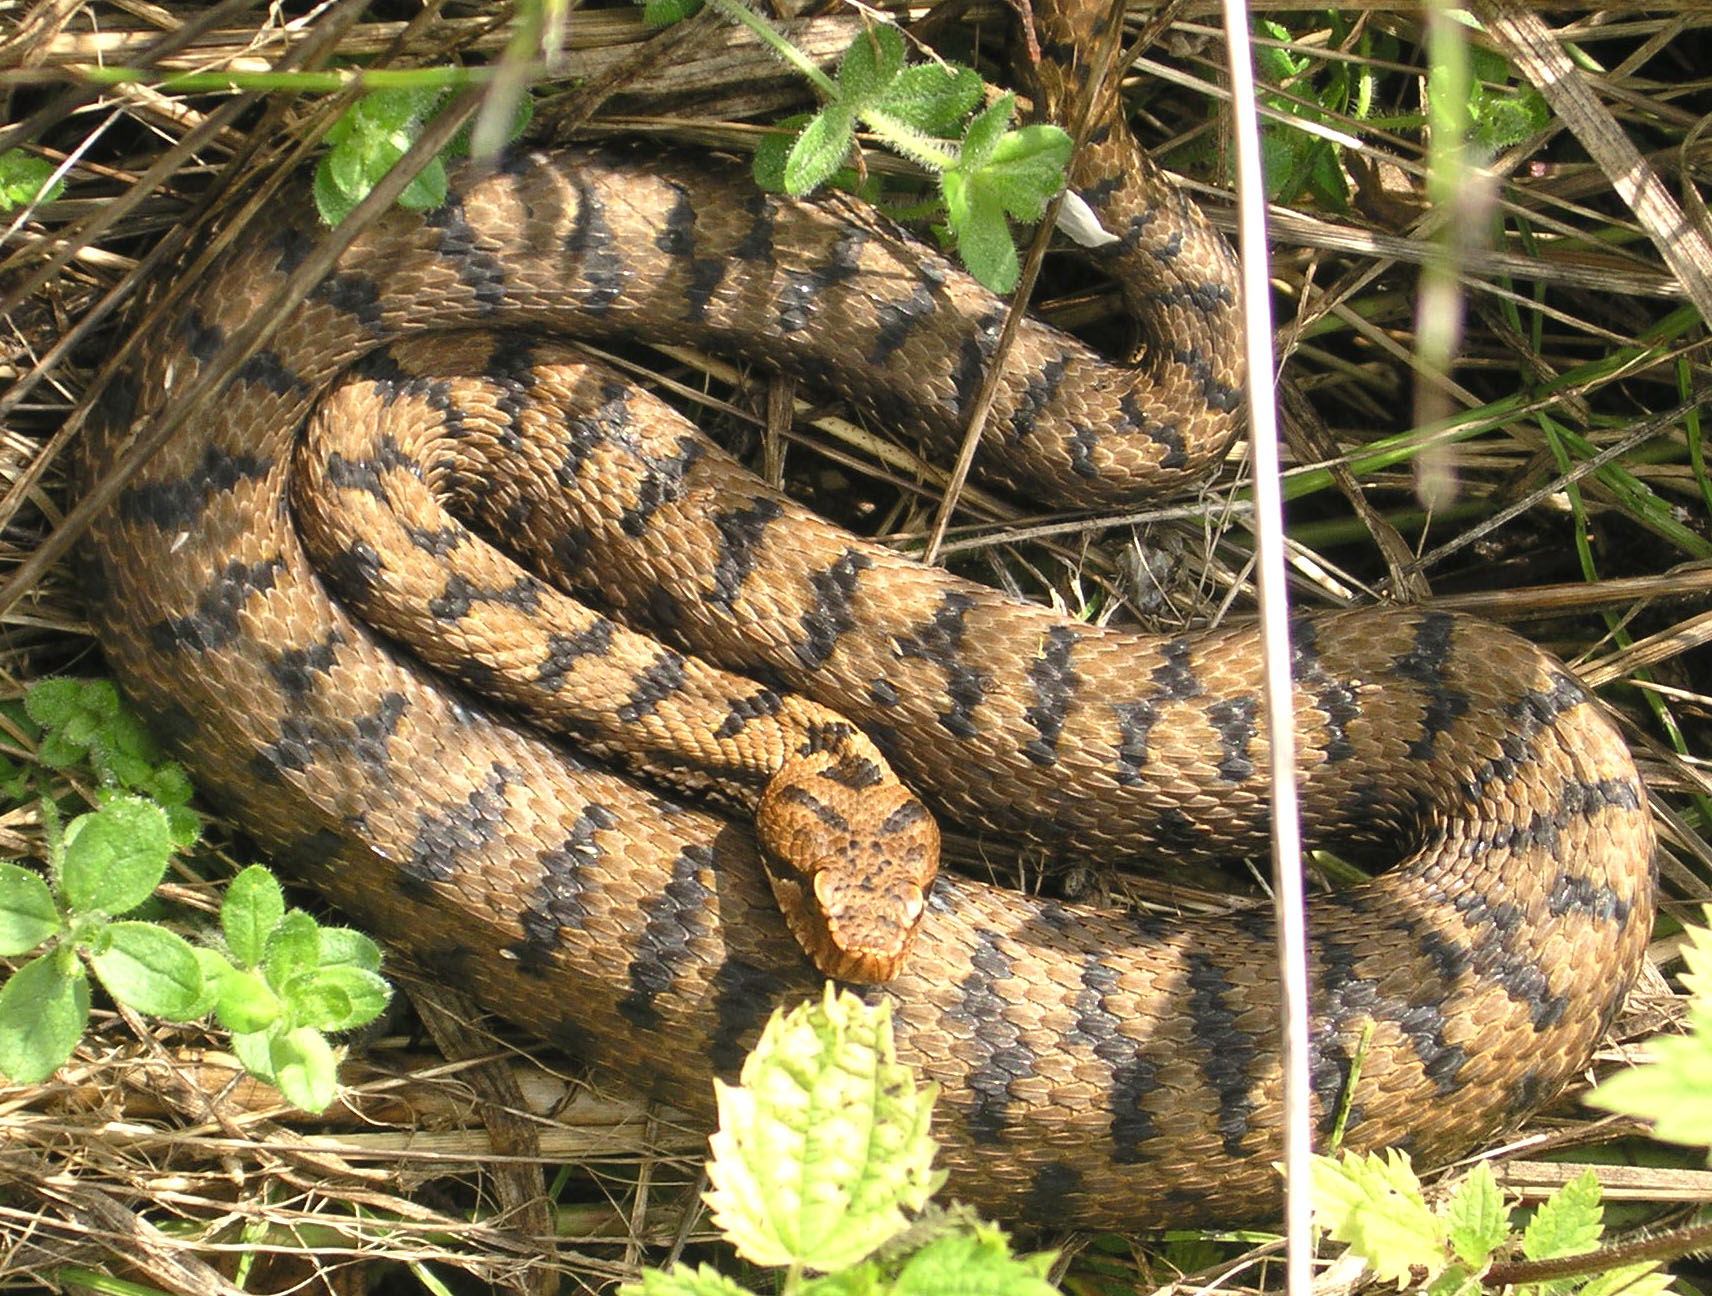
1275,639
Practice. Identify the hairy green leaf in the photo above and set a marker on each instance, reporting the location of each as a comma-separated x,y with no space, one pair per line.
115,857
150,969
28,915
252,908
44,1007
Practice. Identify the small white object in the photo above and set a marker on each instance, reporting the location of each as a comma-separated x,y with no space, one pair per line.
1077,220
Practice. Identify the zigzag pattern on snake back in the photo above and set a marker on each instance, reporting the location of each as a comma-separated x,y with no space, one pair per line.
1103,1068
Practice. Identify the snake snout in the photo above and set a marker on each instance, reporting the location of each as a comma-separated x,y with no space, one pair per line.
850,852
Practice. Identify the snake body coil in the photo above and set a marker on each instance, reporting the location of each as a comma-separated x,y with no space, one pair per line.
1105,1068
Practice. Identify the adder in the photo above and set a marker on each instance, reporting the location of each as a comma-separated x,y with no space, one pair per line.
1105,1068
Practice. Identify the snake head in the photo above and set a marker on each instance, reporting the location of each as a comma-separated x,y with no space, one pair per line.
850,852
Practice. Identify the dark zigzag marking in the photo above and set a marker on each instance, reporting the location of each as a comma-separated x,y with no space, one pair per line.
673,919
1227,1051
1003,1054
557,900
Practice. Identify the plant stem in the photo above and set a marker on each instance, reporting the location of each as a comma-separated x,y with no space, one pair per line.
739,12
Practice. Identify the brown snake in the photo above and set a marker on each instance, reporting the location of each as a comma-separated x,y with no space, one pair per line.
1102,1068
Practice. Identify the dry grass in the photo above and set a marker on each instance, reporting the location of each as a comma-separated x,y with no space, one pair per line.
1553,479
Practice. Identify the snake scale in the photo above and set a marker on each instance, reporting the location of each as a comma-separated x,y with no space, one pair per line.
1103,1068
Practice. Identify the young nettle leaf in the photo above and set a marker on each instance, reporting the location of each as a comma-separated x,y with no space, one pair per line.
43,1010
681,1280
1374,1204
1674,1090
979,1261
27,912
115,857
149,969
253,907
1569,1222
824,1144
1475,1217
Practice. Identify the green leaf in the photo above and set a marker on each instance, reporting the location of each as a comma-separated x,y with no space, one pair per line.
115,857
246,1002
372,135
305,1068
663,13
43,1010
681,1280
428,190
864,1279
1644,1279
150,969
820,149
978,1262
252,908
1569,1222
1674,1089
1373,1203
342,947
1026,169
337,998
83,718
216,967
983,236
27,912
24,180
255,1050
871,62
1001,171
931,97
824,1144
1458,1280
772,153
1475,1217
293,948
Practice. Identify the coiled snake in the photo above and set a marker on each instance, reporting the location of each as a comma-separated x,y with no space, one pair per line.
1105,1068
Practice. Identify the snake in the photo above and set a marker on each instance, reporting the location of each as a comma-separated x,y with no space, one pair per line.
1101,1067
